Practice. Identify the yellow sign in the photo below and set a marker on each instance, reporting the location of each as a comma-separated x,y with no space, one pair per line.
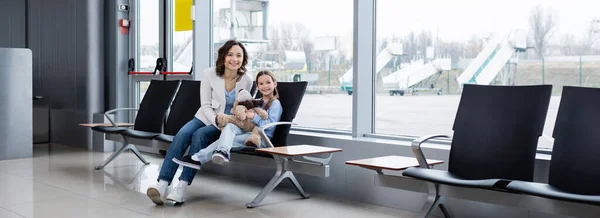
183,15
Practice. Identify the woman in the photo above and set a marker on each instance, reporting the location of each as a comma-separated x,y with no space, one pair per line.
217,95
232,136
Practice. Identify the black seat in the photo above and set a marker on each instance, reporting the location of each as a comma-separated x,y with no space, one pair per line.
183,109
152,109
149,119
496,133
165,138
448,178
109,129
250,151
290,96
155,103
139,134
574,175
552,192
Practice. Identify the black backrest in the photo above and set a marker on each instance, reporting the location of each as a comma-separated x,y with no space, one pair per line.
253,89
184,107
154,105
576,151
290,96
496,131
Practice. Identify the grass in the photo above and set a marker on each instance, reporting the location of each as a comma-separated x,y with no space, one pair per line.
559,74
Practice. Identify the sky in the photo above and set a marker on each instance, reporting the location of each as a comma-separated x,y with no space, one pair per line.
455,20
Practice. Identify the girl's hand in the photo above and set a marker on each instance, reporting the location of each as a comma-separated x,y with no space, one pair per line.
249,115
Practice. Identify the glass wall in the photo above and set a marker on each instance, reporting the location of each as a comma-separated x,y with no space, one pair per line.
148,36
427,50
183,40
148,39
304,42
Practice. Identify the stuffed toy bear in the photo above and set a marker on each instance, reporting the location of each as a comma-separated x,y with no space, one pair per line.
244,102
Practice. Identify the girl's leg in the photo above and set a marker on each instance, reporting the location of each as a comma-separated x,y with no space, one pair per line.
177,149
198,159
221,154
239,140
200,139
228,136
205,154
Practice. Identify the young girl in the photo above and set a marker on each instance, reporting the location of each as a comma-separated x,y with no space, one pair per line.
233,136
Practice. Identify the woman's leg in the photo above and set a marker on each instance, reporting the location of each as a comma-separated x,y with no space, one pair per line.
178,147
167,171
200,139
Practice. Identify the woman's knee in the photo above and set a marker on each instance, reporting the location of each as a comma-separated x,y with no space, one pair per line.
185,134
203,135
187,130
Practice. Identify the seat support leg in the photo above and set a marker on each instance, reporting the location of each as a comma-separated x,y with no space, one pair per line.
126,146
434,200
114,155
443,207
297,185
279,176
138,154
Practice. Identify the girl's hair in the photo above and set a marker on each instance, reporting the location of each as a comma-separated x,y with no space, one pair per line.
275,92
223,52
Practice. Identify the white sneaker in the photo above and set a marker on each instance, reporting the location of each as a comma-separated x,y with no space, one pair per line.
220,158
155,193
177,195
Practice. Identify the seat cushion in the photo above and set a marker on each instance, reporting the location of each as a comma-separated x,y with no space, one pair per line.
109,129
165,138
447,178
248,150
139,134
548,191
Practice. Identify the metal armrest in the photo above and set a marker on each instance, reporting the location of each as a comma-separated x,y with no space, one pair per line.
263,135
115,110
416,148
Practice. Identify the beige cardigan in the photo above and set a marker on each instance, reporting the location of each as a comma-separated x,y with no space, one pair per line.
212,95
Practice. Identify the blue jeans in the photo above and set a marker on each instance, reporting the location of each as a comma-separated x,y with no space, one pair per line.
231,137
195,135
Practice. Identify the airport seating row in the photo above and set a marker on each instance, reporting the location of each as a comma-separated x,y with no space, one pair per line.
493,153
179,100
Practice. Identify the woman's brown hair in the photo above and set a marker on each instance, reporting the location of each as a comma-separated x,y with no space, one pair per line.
275,92
223,52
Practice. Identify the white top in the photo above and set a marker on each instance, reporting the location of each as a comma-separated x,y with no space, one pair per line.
212,95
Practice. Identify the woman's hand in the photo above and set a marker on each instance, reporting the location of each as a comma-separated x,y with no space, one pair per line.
249,115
